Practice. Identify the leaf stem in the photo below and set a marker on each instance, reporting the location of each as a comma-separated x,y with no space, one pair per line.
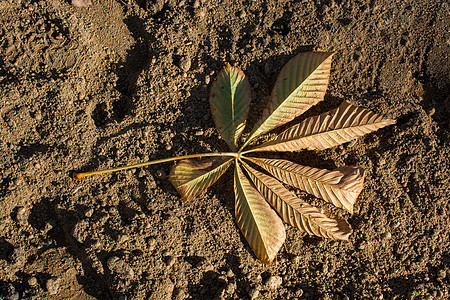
78,176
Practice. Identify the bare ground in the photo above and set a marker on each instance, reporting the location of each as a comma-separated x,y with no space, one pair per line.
97,87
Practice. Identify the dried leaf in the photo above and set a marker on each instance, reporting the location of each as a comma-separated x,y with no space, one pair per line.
191,177
229,101
297,212
301,84
327,130
340,187
259,223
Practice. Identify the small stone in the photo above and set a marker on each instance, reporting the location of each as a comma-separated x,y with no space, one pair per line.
185,64
32,281
38,116
168,147
387,235
123,238
207,79
89,213
171,261
52,285
242,14
441,274
230,273
274,282
201,13
22,216
120,267
231,288
151,244
141,173
254,294
81,231
18,258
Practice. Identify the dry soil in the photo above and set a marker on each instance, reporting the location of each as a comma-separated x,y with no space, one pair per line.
127,81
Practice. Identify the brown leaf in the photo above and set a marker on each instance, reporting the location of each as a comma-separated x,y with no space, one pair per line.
327,130
340,187
297,212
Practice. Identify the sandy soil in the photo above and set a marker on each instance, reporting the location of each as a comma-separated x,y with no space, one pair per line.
107,85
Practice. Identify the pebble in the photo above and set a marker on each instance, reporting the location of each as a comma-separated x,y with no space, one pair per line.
52,285
230,273
120,267
254,294
274,282
207,79
80,231
38,116
89,213
32,281
171,261
141,173
22,216
123,238
185,64
387,235
18,258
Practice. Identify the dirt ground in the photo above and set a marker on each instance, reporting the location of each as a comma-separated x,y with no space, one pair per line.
122,82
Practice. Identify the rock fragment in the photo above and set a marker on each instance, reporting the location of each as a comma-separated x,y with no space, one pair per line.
18,258
22,216
52,285
185,64
254,294
274,282
120,267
